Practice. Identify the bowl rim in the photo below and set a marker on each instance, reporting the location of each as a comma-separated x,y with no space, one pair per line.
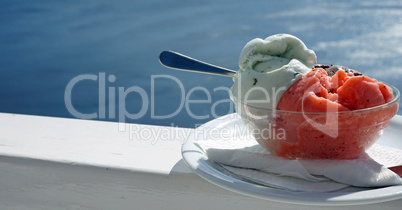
395,99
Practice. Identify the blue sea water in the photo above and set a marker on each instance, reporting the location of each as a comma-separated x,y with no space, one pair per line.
98,59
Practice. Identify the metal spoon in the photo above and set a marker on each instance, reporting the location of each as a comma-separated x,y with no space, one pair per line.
178,61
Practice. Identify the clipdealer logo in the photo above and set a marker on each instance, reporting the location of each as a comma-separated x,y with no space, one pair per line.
147,105
147,102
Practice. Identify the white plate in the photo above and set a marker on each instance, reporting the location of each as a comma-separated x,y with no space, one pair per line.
214,173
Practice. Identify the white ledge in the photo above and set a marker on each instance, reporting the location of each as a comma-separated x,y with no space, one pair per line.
85,142
57,163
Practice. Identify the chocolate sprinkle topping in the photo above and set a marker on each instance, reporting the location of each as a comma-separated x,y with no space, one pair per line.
332,69
255,81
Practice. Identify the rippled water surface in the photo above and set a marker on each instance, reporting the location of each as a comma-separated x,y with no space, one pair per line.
104,54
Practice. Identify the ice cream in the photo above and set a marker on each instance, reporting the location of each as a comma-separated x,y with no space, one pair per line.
342,131
319,92
296,109
268,68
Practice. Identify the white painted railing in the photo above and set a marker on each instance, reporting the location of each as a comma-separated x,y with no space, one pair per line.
56,163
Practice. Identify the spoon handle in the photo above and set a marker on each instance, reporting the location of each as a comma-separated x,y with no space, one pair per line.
181,62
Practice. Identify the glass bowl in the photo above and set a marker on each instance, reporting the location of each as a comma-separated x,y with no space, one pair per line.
319,135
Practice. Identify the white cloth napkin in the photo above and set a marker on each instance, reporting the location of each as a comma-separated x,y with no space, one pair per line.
247,159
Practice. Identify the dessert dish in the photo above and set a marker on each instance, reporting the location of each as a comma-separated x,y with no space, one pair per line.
297,109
